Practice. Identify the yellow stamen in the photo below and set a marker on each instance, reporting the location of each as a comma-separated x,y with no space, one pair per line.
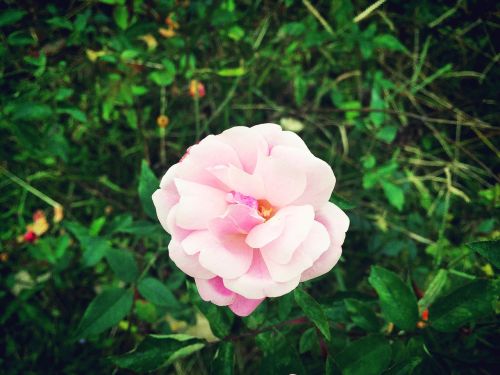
265,209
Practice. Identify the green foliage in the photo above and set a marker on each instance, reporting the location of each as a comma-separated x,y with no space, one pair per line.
398,302
157,351
402,111
106,310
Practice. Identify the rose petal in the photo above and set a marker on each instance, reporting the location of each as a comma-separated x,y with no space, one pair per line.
335,220
163,201
238,180
299,220
283,181
188,264
213,290
230,260
324,263
198,204
319,175
316,243
247,143
243,306
274,136
257,282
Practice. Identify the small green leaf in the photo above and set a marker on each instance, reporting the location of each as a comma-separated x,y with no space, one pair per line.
399,304
434,290
148,183
146,311
299,89
394,194
370,355
236,33
463,305
75,113
308,340
223,362
313,311
155,292
387,133
342,203
10,16
157,351
123,264
362,315
489,250
351,110
232,72
389,42
105,311
377,104
120,15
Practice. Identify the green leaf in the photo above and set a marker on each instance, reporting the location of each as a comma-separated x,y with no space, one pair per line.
162,78
232,72
10,16
387,133
313,311
75,113
236,33
342,203
105,311
223,362
299,89
394,194
434,290
463,305
362,315
157,351
120,15
389,42
351,110
148,184
370,355
123,264
371,178
377,104
31,112
146,311
156,292
399,304
21,38
489,250
308,340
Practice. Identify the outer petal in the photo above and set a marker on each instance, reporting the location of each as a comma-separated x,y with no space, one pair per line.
319,175
257,282
262,234
247,143
171,227
283,181
211,151
335,220
299,221
164,200
316,243
198,204
243,306
189,264
324,264
213,290
275,136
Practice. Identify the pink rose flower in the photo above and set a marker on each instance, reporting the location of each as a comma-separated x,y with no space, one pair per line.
249,215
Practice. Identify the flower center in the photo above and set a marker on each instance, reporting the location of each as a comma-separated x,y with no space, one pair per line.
265,209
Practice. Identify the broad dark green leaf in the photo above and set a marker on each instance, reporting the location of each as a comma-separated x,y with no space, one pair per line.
313,311
399,304
123,264
463,305
370,355
223,362
489,250
156,292
148,183
31,112
10,16
157,351
105,311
